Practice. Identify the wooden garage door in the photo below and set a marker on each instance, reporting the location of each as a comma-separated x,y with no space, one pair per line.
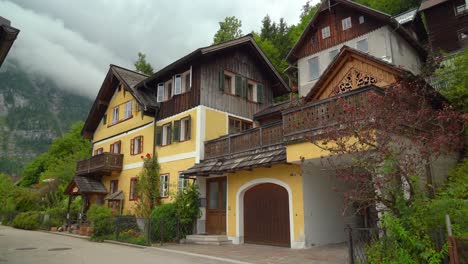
266,215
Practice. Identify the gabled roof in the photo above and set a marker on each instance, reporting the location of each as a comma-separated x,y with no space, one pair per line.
8,35
246,40
426,4
386,18
407,16
342,57
129,79
85,185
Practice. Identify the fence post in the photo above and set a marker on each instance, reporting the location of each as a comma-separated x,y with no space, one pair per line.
161,226
350,245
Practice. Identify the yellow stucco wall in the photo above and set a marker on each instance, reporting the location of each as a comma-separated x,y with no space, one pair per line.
118,99
289,174
173,168
216,124
124,186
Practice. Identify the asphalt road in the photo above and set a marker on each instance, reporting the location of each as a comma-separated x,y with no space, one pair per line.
20,246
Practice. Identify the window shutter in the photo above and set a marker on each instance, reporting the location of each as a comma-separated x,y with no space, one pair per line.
189,128
221,80
260,93
112,148
176,133
141,145
158,136
132,146
245,85
169,133
119,143
238,85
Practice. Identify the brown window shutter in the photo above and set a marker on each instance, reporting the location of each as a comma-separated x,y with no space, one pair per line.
141,144
119,143
112,148
132,146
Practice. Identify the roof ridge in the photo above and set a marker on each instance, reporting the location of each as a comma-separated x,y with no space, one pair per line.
133,71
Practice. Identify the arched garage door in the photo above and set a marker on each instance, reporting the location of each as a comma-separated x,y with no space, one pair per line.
266,215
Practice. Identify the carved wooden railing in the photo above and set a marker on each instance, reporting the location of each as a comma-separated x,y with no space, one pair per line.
248,140
311,118
101,164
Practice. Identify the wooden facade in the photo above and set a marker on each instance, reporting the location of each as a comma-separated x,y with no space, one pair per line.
102,164
445,25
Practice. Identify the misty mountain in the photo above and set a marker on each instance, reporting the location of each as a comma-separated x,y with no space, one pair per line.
33,112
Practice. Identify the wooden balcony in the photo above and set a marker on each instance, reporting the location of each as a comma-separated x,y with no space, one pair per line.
100,165
248,140
310,119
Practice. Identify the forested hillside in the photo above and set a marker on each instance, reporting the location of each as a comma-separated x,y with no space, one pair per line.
33,112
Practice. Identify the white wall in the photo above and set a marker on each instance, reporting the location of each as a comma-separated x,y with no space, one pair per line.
383,43
324,222
201,181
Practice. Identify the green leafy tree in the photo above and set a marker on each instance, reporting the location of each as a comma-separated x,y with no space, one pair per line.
148,186
141,65
229,29
392,7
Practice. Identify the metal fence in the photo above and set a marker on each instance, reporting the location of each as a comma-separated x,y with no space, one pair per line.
359,240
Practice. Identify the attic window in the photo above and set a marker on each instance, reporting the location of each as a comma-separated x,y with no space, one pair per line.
361,19
325,32
346,23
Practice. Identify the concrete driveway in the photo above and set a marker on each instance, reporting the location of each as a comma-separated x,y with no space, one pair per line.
20,246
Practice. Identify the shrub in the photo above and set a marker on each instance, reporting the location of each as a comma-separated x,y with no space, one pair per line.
187,203
101,219
164,216
27,220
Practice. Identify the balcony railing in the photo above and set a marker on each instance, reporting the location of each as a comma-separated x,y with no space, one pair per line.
248,140
313,117
102,164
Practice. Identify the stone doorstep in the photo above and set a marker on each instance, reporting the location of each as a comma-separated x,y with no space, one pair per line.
207,240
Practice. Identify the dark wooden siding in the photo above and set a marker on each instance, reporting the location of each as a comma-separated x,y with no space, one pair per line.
443,25
333,19
241,62
185,101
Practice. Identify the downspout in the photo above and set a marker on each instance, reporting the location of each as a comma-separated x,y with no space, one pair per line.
156,113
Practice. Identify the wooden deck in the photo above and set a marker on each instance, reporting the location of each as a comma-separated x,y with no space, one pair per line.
102,164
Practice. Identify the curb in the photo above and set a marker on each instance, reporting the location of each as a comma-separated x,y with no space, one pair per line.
65,234
200,255
123,244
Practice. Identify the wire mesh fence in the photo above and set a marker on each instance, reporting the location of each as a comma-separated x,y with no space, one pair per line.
359,240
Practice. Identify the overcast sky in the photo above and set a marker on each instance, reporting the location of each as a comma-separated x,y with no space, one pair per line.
73,42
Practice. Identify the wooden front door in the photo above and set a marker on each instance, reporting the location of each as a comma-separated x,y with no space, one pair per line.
216,206
266,215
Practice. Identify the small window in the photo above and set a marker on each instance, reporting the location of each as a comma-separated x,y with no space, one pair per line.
166,134
346,23
333,54
115,147
136,145
98,151
228,83
164,186
361,19
362,45
104,119
325,32
132,193
314,68
160,92
178,84
251,91
128,109
182,183
115,115
114,185
238,125
185,129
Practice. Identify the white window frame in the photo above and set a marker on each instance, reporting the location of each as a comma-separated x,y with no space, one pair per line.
183,125
346,23
136,145
160,95
460,9
165,134
177,84
166,89
182,183
326,32
233,81
361,19
115,115
128,109
311,75
333,53
363,41
164,185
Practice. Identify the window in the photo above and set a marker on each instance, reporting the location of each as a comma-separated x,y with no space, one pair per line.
178,84
98,151
115,115
361,19
461,9
237,125
136,145
185,129
362,45
164,186
182,183
333,54
325,32
166,134
132,193
168,90
104,119
228,84
160,92
314,68
187,81
346,23
128,109
115,147
251,91
114,185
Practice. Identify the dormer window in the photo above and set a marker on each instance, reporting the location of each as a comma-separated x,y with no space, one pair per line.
326,32
346,23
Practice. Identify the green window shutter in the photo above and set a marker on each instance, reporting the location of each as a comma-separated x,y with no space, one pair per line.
238,85
189,128
221,80
260,93
245,85
176,134
158,136
169,131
